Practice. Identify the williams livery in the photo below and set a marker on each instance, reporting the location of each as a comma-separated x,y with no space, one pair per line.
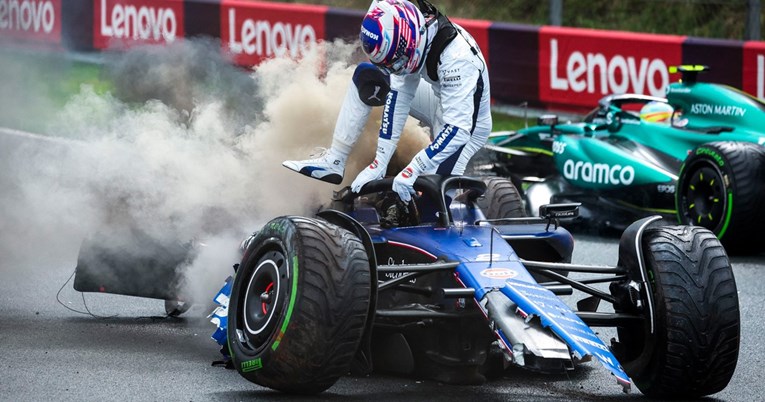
705,166
456,286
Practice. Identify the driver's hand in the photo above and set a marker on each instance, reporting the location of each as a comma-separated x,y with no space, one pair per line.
374,171
403,184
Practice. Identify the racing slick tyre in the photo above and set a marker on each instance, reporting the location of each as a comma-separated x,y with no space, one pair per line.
298,305
693,349
501,199
720,187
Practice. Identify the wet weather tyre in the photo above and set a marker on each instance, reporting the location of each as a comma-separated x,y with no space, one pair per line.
298,305
694,349
501,199
720,188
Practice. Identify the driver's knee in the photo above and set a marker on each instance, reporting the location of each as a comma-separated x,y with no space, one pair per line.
372,84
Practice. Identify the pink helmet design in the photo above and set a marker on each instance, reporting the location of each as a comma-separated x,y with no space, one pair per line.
392,36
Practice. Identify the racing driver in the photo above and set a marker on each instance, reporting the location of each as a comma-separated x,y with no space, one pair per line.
423,65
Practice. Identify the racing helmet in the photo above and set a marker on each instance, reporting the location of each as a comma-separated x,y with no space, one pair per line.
657,112
393,36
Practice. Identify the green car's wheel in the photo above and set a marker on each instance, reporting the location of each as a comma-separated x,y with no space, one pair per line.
720,188
298,305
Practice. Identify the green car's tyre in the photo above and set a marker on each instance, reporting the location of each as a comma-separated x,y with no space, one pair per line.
694,347
720,187
298,305
501,199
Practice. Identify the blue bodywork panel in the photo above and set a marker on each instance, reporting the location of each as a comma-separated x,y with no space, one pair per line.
489,263
219,316
535,300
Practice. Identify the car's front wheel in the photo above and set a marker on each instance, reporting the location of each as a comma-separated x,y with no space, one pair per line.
721,187
687,345
299,304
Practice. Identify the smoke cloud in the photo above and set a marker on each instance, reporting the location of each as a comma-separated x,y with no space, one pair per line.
187,149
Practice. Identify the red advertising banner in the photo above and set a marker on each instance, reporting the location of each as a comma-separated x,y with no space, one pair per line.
479,29
577,67
37,21
253,31
122,23
753,65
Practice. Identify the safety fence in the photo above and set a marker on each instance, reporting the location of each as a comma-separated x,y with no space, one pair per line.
545,66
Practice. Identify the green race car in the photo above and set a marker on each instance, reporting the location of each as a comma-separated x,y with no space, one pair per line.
704,166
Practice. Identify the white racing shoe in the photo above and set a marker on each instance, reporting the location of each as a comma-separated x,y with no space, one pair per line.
324,167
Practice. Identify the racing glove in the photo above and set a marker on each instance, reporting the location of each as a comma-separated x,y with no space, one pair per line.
376,170
403,184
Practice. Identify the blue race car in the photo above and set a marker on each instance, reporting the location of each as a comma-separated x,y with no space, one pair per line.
450,288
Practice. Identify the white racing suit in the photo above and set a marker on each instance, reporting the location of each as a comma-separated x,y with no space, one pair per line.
456,106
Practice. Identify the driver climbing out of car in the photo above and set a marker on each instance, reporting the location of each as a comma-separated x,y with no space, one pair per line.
422,65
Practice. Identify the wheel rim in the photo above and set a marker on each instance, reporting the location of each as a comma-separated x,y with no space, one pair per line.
263,302
704,197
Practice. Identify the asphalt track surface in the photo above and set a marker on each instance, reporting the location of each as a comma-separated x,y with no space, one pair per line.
50,353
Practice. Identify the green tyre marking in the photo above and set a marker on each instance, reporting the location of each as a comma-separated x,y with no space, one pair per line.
293,296
251,365
727,216
714,155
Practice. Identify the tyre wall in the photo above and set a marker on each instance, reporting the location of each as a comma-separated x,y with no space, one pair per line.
548,67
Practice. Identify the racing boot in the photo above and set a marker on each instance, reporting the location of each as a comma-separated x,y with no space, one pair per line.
325,166
329,165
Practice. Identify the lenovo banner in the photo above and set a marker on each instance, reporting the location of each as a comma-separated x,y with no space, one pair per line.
253,31
121,23
343,23
31,21
754,69
577,67
479,30
514,63
717,54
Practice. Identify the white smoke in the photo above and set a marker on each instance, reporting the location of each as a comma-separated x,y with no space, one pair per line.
186,152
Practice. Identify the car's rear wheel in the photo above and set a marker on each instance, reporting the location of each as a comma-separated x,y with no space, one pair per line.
298,305
720,188
692,350
501,199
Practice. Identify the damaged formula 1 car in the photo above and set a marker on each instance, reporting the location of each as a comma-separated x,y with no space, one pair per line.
438,289
705,168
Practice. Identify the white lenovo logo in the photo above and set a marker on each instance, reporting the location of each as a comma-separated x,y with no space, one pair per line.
27,15
264,39
131,22
593,71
